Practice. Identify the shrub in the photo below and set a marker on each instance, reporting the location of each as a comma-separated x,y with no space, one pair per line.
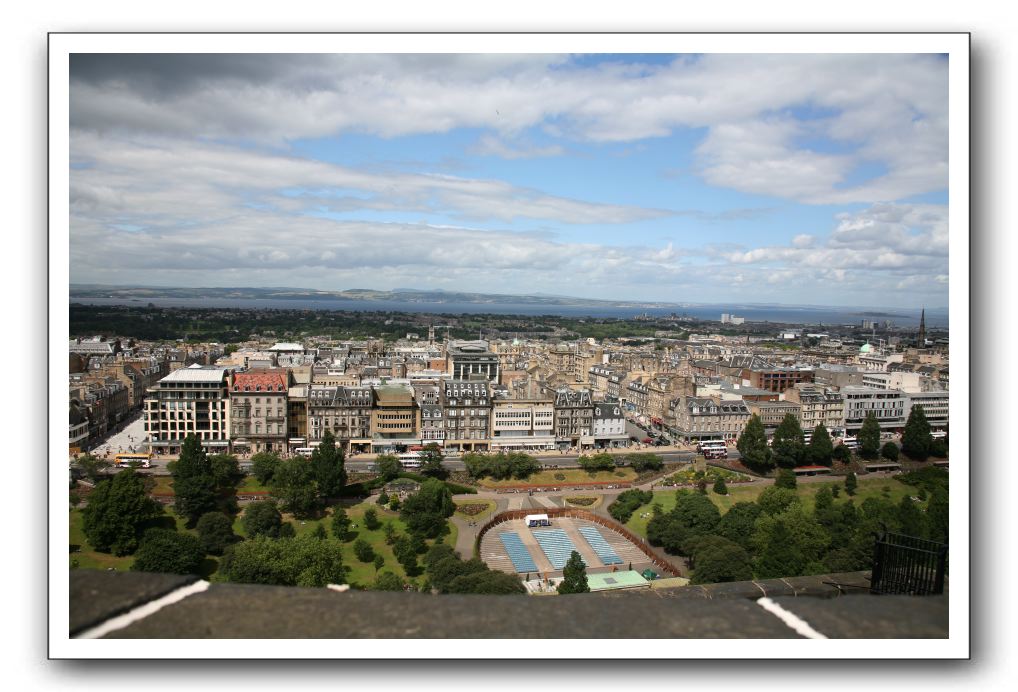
889,451
627,502
163,550
215,533
363,550
371,522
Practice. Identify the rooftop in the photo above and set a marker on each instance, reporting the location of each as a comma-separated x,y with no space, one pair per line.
196,373
118,605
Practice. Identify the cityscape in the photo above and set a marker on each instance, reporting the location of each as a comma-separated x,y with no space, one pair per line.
601,336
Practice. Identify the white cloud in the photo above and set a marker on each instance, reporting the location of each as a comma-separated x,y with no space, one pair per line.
792,126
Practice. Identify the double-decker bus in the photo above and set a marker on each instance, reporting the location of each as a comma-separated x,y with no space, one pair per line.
140,460
410,460
850,442
713,449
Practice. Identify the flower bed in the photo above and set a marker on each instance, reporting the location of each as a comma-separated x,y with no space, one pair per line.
582,501
692,477
472,509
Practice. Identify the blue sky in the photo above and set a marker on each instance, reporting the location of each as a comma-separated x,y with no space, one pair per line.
816,179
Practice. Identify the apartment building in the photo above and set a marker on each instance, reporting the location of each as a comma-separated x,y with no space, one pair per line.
574,418
890,406
522,425
395,418
258,410
818,406
772,413
189,401
704,418
609,425
466,405
935,407
345,411
466,358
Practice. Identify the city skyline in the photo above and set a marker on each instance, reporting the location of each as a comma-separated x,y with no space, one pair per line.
705,178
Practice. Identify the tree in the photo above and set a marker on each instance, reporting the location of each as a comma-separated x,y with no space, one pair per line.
327,467
443,570
788,445
722,563
319,532
627,502
916,439
389,466
821,448
851,483
363,550
195,489
597,462
774,500
696,513
842,454
301,561
383,498
889,451
431,462
340,523
371,519
168,551
295,486
387,581
719,486
778,556
378,562
644,461
911,518
937,515
116,512
737,523
785,479
574,576
262,518
752,446
823,506
215,533
869,437
226,471
390,533
93,467
425,511
263,466
486,582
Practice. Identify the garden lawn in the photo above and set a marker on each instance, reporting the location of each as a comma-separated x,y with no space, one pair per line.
572,477
868,487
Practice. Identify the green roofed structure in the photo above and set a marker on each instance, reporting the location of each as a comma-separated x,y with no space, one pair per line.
607,581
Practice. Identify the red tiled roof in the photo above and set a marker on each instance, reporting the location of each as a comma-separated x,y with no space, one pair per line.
268,380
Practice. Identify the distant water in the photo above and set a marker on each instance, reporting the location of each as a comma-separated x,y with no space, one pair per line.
752,313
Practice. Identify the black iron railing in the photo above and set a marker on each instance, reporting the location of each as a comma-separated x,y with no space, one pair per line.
907,565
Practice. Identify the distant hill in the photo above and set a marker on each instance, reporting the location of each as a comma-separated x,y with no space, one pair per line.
408,295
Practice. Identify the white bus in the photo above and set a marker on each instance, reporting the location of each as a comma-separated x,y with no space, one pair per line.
410,460
850,442
713,449
304,451
128,461
938,435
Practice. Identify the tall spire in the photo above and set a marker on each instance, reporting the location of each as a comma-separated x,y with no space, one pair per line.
922,329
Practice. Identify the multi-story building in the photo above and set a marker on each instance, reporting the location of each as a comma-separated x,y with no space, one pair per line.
346,411
395,418
522,425
935,407
777,379
705,418
598,377
637,395
574,418
609,425
258,411
818,406
466,358
888,405
772,413
188,401
466,405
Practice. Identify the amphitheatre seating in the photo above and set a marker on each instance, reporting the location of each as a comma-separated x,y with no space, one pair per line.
600,545
556,545
518,553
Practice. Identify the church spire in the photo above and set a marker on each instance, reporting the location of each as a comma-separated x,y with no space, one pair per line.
922,330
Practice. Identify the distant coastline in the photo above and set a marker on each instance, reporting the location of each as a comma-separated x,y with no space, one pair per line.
441,302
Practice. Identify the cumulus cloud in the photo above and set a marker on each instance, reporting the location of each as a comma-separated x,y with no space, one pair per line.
791,126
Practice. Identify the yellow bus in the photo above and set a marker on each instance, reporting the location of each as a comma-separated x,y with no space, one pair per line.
141,460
